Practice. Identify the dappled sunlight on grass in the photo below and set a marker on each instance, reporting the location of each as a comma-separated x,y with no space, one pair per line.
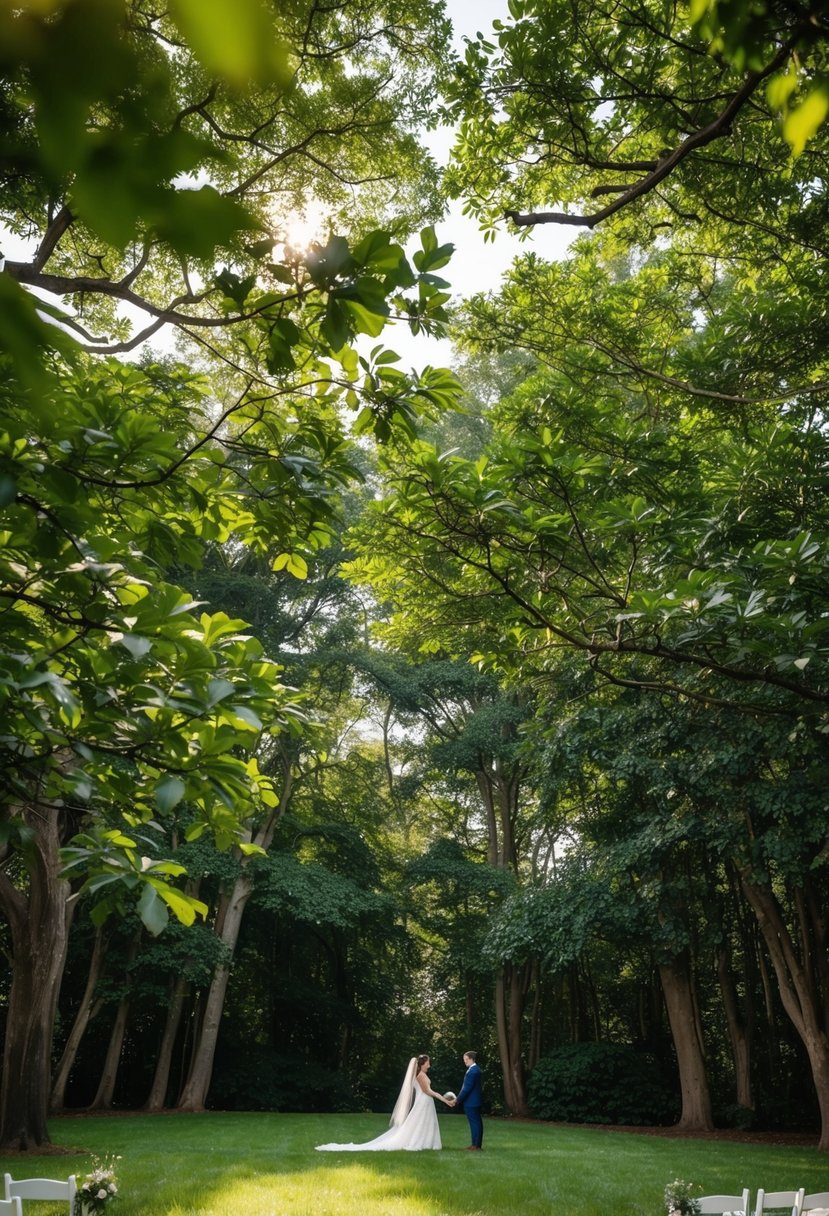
326,1192
265,1165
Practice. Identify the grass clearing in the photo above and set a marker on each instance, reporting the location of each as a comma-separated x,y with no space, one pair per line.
265,1165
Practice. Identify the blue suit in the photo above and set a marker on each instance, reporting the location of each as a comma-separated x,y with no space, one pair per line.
472,1099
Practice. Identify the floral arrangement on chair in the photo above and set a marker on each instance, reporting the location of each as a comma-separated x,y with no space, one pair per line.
98,1188
681,1198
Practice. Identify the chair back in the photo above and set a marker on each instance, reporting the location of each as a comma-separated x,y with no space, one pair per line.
41,1188
790,1201
716,1205
817,1199
11,1207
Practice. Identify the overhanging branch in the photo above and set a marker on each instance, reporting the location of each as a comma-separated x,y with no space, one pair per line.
715,130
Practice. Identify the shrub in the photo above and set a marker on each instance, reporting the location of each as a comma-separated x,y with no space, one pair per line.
601,1083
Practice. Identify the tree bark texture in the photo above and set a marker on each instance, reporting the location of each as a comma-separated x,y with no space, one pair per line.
229,917
39,930
109,1075
739,1030
510,995
86,1011
796,981
172,1022
678,990
228,923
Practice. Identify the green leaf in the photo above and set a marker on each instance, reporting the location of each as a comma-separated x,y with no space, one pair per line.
247,715
238,41
293,563
184,907
137,646
802,124
218,689
197,221
169,792
152,911
251,850
780,88
334,328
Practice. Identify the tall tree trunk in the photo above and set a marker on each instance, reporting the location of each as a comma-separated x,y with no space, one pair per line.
179,992
231,910
86,1011
39,931
109,1074
534,1054
678,990
798,994
739,1032
228,923
164,1059
494,855
510,994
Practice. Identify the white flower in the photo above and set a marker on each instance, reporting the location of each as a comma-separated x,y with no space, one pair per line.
102,1193
113,1189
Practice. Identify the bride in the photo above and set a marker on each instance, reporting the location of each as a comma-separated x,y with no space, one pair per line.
414,1120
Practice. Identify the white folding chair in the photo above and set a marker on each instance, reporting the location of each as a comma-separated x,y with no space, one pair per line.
790,1201
715,1205
817,1199
11,1207
41,1188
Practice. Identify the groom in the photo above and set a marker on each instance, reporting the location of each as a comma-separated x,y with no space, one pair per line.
470,1096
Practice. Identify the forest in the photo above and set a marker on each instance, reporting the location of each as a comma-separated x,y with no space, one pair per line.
351,711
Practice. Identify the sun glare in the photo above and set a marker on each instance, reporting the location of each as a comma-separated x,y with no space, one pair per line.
299,229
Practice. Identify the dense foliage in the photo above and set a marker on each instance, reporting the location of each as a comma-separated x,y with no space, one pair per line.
350,712
601,1083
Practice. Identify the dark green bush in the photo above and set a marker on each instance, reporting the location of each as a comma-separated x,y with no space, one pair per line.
601,1083
260,1079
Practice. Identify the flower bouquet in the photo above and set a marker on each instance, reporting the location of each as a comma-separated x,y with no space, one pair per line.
98,1188
681,1198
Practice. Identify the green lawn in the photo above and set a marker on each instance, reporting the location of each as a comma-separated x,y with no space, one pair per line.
265,1165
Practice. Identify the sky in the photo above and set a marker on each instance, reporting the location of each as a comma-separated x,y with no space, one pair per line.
475,266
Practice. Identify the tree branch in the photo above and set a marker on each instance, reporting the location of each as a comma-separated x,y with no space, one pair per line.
715,130
52,235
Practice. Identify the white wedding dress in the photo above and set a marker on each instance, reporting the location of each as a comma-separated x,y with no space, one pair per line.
419,1130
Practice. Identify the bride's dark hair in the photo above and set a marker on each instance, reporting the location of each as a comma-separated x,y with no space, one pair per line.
421,1060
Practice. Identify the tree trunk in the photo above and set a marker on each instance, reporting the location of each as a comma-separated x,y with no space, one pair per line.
678,989
231,910
797,992
534,1054
39,931
228,923
494,855
86,1011
739,1033
164,1060
109,1075
510,994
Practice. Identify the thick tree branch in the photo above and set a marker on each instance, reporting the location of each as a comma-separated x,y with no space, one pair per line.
699,139
52,235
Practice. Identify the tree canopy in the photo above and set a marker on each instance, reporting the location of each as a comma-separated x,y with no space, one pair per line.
327,684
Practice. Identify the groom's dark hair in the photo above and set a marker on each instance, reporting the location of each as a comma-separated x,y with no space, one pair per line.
472,1055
